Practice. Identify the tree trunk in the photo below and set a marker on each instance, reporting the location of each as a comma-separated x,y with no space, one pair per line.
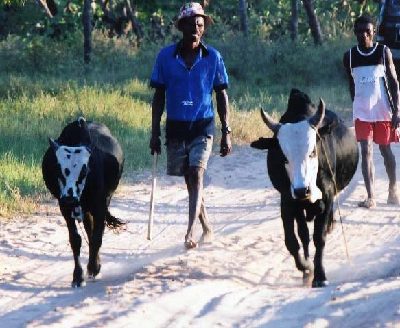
294,20
313,21
137,28
107,13
87,31
244,26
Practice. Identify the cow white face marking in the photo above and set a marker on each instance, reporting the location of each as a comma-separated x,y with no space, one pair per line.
298,143
74,164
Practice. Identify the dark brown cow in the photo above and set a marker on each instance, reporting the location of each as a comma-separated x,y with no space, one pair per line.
311,157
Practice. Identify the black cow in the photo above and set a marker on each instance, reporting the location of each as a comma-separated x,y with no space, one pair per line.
311,157
82,169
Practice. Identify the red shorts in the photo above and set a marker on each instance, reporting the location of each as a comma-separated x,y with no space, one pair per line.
381,133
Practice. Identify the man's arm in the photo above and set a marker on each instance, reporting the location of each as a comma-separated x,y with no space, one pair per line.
393,85
223,113
157,109
346,64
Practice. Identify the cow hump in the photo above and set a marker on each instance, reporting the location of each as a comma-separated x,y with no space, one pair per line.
75,134
299,107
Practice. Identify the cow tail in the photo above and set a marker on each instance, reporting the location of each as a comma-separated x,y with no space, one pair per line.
331,224
114,223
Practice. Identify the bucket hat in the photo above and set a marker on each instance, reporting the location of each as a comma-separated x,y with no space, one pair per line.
192,9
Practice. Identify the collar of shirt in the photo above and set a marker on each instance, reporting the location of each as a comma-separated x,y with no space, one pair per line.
179,45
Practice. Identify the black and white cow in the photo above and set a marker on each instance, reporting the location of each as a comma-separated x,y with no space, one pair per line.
82,169
311,157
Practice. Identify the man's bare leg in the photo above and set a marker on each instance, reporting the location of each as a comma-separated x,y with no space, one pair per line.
390,166
368,172
207,235
194,182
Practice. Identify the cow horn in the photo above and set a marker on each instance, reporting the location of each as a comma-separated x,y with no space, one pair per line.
53,144
270,122
318,117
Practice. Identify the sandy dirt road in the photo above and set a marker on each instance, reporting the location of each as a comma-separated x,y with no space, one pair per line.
245,278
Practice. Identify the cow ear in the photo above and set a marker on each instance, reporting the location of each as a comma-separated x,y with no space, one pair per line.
316,120
265,143
53,144
270,122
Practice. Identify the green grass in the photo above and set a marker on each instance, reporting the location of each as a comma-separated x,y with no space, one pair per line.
26,123
44,85
18,177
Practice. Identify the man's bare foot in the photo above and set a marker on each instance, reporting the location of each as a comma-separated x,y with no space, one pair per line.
189,244
207,237
367,203
393,198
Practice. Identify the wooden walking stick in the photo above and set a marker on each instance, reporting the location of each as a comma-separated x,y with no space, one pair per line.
153,191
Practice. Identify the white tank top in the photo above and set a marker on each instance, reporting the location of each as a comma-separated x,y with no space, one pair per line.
370,99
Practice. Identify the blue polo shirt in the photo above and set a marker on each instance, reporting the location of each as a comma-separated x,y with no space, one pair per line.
189,103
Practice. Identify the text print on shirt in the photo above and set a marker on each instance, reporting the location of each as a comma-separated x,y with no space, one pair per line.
368,79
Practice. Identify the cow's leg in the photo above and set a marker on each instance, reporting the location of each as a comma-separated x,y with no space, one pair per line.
88,224
302,231
207,235
304,235
75,241
288,213
312,210
95,242
194,182
319,237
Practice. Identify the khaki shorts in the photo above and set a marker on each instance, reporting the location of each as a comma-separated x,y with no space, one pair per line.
182,154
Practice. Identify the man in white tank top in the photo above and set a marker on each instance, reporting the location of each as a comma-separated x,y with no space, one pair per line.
374,90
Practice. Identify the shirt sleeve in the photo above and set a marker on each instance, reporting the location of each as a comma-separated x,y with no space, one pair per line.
157,77
221,77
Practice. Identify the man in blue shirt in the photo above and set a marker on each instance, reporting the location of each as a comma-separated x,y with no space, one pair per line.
184,77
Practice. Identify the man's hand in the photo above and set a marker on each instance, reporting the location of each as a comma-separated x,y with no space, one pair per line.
155,145
226,145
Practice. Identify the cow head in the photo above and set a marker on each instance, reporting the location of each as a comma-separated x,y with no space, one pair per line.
74,168
73,162
298,142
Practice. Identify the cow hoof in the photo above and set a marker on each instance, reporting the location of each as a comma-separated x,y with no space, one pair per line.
76,284
320,283
92,278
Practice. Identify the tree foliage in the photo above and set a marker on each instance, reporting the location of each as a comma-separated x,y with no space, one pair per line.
152,20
